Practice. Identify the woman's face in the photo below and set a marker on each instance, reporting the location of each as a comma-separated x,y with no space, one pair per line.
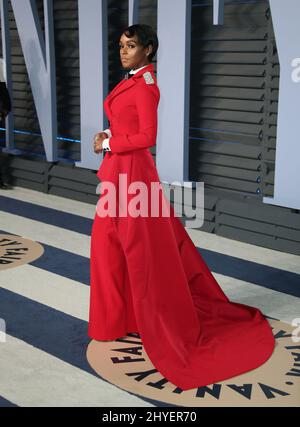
132,54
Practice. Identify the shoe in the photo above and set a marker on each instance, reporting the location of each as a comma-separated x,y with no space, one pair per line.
4,186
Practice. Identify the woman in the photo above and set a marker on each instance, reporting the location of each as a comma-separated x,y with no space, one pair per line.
5,108
146,274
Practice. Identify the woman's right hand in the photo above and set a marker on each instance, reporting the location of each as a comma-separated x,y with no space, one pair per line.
98,139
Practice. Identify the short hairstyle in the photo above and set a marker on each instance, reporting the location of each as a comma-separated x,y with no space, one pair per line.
145,35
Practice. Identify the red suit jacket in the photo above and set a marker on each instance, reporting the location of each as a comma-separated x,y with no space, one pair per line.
191,332
131,108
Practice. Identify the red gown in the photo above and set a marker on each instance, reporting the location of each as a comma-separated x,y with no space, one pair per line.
148,277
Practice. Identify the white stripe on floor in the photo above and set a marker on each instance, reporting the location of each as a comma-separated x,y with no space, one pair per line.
272,303
58,237
55,291
32,377
245,251
50,201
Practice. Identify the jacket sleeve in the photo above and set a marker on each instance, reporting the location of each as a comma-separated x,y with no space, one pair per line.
108,132
147,100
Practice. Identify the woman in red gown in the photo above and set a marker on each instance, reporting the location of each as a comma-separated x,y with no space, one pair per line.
147,276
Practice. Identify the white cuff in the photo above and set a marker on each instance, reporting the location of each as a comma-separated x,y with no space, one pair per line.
105,144
108,132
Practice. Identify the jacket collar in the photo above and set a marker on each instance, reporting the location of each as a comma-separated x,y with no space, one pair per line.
127,83
132,71
139,73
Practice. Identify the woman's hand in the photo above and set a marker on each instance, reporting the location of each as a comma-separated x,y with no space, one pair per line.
98,139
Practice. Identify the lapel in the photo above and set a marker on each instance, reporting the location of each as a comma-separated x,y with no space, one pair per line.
127,83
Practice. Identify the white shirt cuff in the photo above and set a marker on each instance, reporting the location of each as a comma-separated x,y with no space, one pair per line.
105,144
108,132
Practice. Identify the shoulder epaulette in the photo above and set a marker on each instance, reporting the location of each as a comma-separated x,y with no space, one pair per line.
148,78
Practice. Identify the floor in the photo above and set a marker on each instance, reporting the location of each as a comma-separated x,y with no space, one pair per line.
44,297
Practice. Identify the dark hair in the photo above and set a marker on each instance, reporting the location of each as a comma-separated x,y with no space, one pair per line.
146,36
